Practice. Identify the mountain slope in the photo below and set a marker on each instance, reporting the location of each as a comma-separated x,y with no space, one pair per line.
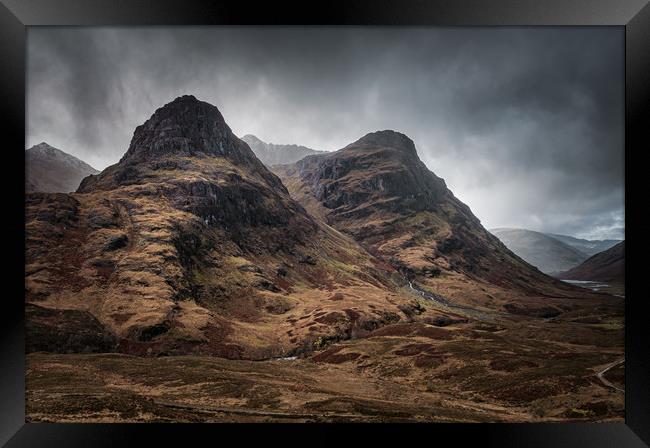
588,247
607,266
379,192
545,252
271,154
51,170
189,244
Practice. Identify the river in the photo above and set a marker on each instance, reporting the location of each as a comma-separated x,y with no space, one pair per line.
598,287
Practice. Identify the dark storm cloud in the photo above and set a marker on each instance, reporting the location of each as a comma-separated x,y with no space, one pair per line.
525,125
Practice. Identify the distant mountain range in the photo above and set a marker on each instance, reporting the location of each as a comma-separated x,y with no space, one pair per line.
271,154
50,170
548,254
607,266
589,247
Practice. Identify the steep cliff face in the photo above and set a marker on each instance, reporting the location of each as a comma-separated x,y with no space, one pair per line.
382,168
378,191
189,244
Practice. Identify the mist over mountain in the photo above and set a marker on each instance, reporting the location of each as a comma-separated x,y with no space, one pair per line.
589,247
272,154
547,253
50,170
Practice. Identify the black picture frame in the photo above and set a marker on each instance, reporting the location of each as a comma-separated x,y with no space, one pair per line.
634,15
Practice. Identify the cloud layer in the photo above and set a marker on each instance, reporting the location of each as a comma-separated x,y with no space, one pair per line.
525,125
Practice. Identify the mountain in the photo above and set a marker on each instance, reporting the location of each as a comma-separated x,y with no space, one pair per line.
546,252
271,154
189,244
607,266
355,288
379,192
51,170
588,247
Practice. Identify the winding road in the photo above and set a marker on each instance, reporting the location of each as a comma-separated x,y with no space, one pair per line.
605,381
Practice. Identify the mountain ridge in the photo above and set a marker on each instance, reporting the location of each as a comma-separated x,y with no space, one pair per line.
589,247
552,253
183,127
277,154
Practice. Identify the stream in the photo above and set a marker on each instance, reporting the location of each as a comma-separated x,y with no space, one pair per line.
596,286
448,304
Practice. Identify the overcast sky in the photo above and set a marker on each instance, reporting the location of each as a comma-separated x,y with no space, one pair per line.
525,125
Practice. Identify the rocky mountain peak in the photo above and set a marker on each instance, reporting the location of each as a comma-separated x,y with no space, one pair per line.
185,126
251,139
175,137
46,150
41,147
381,171
386,139
51,170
